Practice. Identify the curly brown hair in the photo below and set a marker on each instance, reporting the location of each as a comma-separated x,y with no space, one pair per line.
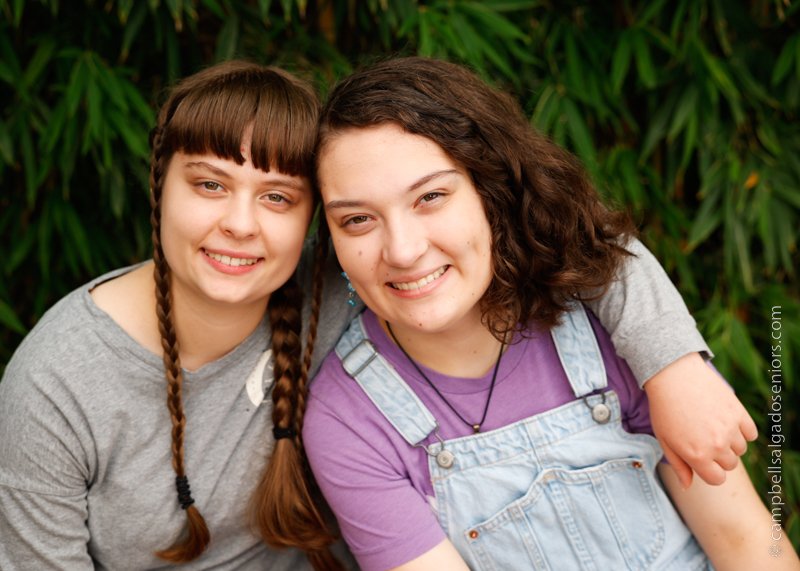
553,240
209,112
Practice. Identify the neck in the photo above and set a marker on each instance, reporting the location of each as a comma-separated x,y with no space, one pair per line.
209,331
469,351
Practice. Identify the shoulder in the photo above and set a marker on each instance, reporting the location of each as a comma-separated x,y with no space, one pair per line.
332,391
633,400
66,335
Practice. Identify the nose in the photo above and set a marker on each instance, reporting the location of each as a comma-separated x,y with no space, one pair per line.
404,243
238,219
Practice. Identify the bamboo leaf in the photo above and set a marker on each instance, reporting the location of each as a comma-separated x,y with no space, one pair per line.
425,40
765,225
132,29
135,141
76,235
547,109
263,9
19,6
77,85
215,8
707,220
657,130
652,9
785,60
29,165
94,108
45,231
491,20
630,178
54,127
470,39
9,319
6,145
644,61
791,196
579,134
228,38
20,251
124,8
621,62
690,140
41,58
686,107
766,134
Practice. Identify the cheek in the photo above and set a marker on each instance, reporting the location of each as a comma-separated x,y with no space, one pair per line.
290,235
357,258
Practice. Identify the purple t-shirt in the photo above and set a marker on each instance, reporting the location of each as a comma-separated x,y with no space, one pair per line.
379,486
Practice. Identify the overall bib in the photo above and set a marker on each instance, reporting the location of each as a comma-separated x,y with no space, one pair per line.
567,489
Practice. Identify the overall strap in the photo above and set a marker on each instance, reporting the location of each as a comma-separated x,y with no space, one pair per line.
383,385
579,352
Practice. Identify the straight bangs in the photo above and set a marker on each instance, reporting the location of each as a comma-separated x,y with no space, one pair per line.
281,109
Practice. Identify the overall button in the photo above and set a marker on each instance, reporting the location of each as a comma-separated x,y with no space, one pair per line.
601,413
473,534
445,459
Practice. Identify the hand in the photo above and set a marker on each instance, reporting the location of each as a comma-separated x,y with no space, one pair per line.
698,420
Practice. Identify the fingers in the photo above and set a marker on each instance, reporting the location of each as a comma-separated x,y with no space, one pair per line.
711,472
728,460
739,444
681,468
748,427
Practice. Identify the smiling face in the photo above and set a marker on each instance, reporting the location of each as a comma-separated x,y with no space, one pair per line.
409,228
232,234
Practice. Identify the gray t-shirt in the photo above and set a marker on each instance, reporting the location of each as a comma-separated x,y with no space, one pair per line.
86,477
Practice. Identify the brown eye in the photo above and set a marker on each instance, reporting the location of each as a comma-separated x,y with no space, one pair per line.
355,220
212,186
430,196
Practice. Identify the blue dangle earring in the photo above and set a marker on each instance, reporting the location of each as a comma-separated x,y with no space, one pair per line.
351,291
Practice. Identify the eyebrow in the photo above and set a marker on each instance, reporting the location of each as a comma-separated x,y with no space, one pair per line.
333,204
288,181
204,165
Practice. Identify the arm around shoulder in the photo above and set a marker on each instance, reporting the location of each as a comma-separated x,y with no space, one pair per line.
645,315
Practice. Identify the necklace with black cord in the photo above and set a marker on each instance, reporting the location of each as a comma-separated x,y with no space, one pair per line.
476,426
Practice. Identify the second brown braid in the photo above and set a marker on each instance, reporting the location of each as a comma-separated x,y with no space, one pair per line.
197,536
320,257
284,509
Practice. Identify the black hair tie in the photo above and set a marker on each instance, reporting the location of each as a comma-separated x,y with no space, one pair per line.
184,495
279,432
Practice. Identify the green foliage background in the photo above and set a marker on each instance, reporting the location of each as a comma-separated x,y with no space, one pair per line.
684,111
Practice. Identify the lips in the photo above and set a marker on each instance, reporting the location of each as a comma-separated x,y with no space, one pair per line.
423,281
231,261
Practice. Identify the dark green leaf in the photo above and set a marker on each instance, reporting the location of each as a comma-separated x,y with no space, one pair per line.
9,319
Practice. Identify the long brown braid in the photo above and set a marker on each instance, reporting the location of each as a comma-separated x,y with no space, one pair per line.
197,536
288,510
207,113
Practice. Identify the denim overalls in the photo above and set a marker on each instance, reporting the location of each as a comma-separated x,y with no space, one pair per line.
567,489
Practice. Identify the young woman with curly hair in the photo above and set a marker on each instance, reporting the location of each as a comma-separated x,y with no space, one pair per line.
476,414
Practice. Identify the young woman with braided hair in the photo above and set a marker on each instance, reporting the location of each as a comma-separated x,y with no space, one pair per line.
86,441
91,461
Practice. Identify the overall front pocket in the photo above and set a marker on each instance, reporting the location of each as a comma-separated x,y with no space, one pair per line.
596,518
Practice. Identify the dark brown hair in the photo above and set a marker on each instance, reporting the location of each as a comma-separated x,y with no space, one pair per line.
209,112
552,238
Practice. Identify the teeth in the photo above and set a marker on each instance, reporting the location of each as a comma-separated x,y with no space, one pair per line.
405,286
234,262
